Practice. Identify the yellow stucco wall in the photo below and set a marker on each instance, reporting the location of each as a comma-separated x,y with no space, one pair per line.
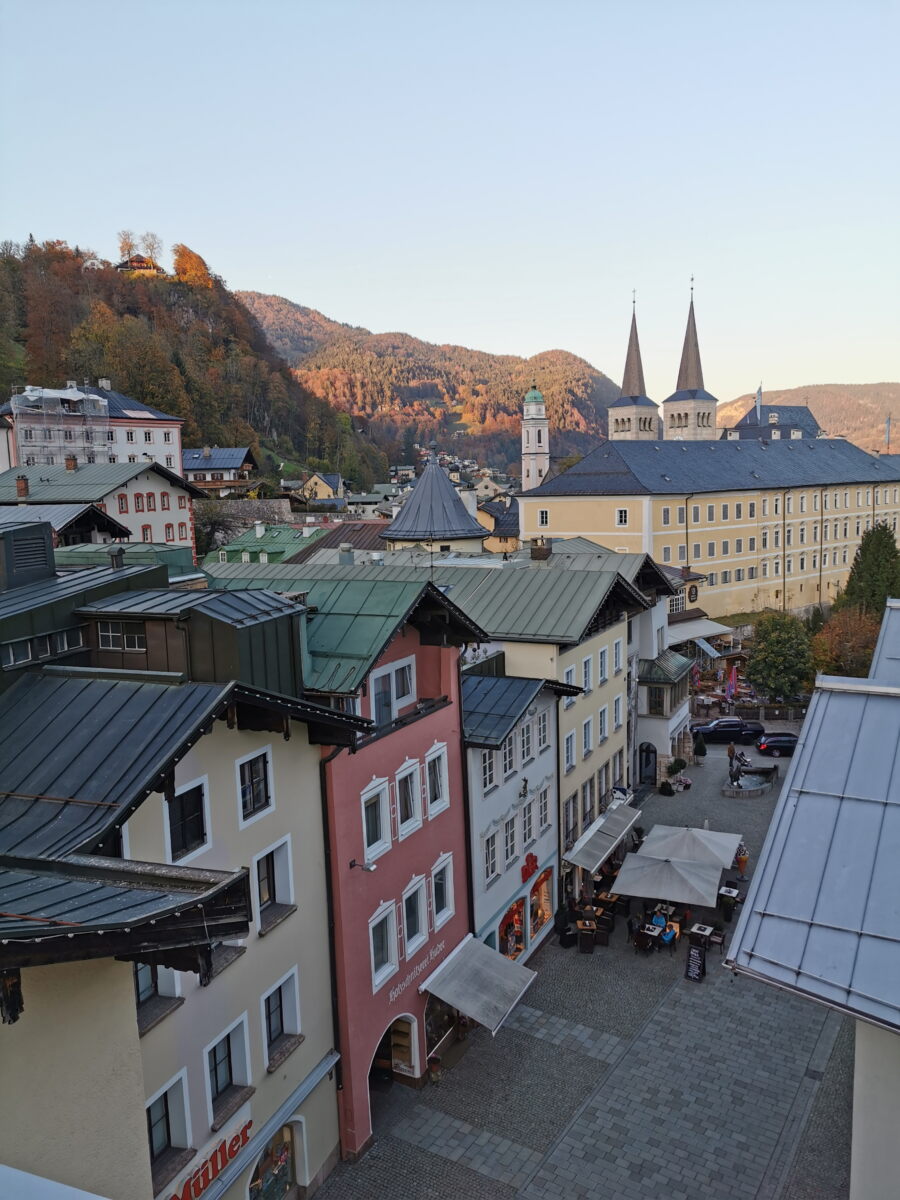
71,1086
808,524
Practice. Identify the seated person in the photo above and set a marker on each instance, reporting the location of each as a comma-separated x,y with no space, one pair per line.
658,919
669,934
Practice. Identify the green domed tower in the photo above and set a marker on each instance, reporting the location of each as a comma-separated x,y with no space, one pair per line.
535,440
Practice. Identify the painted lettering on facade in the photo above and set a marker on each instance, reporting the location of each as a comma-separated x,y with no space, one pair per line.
197,1183
417,970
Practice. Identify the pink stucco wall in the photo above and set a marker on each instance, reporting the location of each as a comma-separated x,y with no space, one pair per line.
363,1016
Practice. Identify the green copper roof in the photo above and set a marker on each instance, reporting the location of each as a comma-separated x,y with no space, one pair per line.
533,396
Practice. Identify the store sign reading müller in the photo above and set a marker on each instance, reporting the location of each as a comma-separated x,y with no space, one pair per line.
197,1183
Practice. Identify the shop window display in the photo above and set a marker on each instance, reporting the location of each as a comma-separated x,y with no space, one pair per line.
440,1021
541,906
275,1175
512,931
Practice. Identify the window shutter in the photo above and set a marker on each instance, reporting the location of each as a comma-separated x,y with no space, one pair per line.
401,932
395,815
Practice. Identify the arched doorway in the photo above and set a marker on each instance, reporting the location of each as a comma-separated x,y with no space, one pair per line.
396,1057
281,1166
647,762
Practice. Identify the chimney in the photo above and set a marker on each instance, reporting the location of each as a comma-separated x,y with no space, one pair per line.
21,486
540,550
71,462
259,528
207,453
116,557
104,384
345,554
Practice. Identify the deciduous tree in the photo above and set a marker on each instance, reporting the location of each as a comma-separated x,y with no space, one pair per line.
151,245
127,244
845,644
190,267
780,662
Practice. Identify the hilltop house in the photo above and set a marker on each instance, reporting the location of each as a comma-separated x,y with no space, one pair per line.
220,470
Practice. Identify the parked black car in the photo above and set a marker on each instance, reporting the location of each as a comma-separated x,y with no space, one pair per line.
776,744
729,729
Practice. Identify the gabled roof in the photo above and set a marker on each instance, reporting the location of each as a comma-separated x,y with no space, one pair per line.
492,705
797,416
659,468
235,608
61,516
667,667
433,511
506,517
516,604
220,458
82,749
89,483
822,914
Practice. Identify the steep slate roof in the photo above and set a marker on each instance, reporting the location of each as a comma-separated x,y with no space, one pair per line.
61,516
514,603
90,482
433,511
822,914
658,468
361,535
82,749
634,390
119,407
506,517
236,608
797,416
220,458
493,704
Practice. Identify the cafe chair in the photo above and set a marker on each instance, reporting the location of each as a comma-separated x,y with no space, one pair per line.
717,938
642,942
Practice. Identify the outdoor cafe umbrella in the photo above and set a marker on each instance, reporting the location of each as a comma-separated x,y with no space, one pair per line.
678,880
694,845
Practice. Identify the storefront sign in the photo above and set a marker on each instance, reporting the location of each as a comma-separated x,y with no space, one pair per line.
197,1183
695,966
529,867
417,970
692,594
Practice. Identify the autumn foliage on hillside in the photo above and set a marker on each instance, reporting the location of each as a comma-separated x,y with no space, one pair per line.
397,383
181,343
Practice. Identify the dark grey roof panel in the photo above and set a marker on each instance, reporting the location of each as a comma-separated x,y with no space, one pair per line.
60,516
433,511
633,380
885,664
653,468
690,372
65,587
493,704
633,402
237,608
506,517
219,458
797,415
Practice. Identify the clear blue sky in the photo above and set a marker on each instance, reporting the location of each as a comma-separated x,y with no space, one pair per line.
497,173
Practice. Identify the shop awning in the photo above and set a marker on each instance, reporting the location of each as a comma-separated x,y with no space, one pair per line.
706,647
687,631
481,983
600,839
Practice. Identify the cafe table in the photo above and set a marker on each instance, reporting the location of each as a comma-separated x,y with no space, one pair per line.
667,910
733,893
653,931
701,932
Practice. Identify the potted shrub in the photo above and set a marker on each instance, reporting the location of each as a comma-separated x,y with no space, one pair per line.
699,750
666,789
675,767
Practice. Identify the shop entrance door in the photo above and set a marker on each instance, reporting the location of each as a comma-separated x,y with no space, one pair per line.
647,762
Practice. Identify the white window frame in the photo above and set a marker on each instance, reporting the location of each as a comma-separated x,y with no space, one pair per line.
526,743
386,910
666,515
201,781
667,554
488,770
602,724
543,517
587,674
241,1075
243,821
444,863
409,769
510,841
438,751
290,1008
284,876
543,730
377,787
617,711
182,1137
569,751
528,834
391,669
603,664
508,756
618,658
587,737
569,677
490,840
544,809
415,887
621,517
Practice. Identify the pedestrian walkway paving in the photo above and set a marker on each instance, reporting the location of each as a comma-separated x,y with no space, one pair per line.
496,1157
605,1047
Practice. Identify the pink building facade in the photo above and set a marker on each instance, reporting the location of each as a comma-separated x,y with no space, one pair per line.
396,809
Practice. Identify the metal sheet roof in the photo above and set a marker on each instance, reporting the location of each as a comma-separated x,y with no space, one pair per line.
91,482
60,516
239,608
506,517
658,468
518,604
688,631
434,511
822,914
493,704
667,667
361,535
885,663
66,587
219,458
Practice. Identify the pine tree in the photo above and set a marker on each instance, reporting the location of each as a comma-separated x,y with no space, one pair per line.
875,574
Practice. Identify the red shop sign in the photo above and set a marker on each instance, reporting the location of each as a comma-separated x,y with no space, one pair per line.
200,1179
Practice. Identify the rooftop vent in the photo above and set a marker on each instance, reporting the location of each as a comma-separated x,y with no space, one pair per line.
345,554
26,554
116,557
105,384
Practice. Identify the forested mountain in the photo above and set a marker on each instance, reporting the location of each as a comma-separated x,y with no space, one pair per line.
404,388
855,410
181,343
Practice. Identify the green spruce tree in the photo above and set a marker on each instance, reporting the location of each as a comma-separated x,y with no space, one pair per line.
875,574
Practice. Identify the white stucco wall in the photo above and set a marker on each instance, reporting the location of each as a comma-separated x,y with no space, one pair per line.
875,1167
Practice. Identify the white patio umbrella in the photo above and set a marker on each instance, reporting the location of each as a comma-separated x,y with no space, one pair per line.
678,880
694,845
